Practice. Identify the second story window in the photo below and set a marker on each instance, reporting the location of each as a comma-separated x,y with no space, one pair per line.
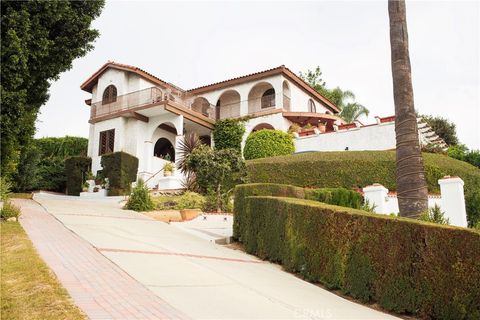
110,94
311,106
268,98
107,142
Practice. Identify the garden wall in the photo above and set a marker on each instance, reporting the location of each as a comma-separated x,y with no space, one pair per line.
404,265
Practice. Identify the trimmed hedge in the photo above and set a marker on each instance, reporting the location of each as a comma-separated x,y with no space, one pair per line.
76,169
404,265
361,168
121,170
268,143
336,196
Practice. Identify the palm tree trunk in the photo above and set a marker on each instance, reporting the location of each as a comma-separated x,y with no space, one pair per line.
411,187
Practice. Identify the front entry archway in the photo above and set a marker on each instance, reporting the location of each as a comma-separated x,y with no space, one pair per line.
164,149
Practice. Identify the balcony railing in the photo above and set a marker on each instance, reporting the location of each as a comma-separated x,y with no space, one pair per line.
155,95
126,102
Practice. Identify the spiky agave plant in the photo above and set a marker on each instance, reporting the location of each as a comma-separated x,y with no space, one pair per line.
186,147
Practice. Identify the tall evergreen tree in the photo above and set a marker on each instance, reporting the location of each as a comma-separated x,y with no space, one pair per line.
40,39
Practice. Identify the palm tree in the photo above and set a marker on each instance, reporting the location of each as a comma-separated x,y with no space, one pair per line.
411,186
344,100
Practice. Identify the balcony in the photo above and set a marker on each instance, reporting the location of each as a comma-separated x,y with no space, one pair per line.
197,106
141,99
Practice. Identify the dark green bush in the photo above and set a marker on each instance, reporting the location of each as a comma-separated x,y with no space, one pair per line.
404,265
336,196
42,166
362,168
76,169
140,199
268,143
228,134
121,170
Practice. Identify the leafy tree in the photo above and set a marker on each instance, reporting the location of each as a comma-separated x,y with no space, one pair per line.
41,165
217,171
457,151
443,128
40,39
411,183
343,99
268,143
228,134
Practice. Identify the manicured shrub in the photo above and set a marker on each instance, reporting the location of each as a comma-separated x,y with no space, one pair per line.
228,134
336,196
268,143
76,169
121,170
42,165
404,265
188,200
362,168
140,199
9,210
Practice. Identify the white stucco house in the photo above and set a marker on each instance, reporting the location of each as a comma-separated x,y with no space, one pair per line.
135,112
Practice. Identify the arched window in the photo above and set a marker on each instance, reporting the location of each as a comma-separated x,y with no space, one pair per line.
311,106
268,98
164,149
109,95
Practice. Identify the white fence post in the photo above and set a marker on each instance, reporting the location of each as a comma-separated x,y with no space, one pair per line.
376,194
453,200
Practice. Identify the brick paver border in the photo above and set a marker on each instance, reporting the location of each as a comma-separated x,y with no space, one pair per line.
97,285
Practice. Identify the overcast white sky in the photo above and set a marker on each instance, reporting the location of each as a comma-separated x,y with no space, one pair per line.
196,43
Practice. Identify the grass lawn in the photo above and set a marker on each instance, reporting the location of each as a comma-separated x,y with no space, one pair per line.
29,290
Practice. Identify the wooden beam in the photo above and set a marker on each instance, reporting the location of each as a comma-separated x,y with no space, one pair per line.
139,116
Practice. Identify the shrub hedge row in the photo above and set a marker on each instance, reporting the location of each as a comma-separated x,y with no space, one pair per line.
362,168
76,169
336,196
121,170
404,265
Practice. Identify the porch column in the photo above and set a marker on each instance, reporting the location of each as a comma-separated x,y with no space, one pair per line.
453,200
147,156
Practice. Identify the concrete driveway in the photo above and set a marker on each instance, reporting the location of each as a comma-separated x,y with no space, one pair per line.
199,278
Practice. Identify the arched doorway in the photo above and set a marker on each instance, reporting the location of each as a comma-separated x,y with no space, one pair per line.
164,149
262,126
260,97
228,105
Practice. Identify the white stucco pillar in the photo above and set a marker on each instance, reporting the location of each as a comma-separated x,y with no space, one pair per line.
147,156
376,194
453,200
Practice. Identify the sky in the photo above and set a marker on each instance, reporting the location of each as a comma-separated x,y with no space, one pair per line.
191,44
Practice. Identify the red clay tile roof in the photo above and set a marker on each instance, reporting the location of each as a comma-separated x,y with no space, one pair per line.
92,80
263,74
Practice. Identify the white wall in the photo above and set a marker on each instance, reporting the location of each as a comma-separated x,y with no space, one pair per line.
375,137
299,100
93,145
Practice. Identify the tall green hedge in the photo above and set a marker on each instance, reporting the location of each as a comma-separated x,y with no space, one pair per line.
76,169
121,170
361,168
228,134
336,196
268,143
404,265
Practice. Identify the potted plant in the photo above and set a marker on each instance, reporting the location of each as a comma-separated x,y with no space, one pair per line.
168,169
85,186
322,127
